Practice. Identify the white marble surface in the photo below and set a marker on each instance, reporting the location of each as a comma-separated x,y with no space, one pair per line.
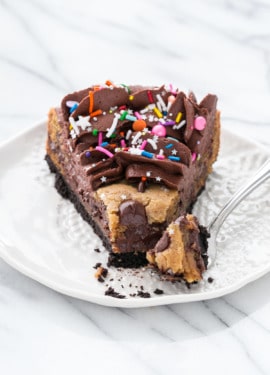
48,48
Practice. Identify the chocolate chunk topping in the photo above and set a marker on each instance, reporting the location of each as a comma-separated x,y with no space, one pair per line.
163,243
132,213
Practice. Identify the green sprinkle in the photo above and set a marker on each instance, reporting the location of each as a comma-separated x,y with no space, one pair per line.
123,115
126,87
95,132
113,136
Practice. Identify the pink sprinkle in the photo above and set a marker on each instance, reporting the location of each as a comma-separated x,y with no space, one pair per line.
159,156
143,144
99,138
123,143
106,152
199,123
159,130
193,157
139,117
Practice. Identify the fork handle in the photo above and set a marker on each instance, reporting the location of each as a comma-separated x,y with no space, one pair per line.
260,176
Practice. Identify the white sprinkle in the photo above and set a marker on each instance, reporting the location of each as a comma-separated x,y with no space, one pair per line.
180,125
161,151
113,126
152,143
174,151
151,106
123,197
84,122
128,134
94,118
155,138
136,137
144,117
102,196
103,179
74,125
162,103
135,151
151,118
159,106
158,178
171,231
162,120
144,110
148,174
104,113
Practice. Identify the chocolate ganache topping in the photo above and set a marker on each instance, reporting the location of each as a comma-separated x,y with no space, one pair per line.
140,134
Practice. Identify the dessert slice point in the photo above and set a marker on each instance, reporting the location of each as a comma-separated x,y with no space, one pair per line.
181,251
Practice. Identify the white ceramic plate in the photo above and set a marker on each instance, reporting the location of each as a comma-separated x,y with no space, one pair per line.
42,236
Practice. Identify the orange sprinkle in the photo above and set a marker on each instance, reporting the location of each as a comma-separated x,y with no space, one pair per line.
96,113
96,88
109,83
122,134
91,102
138,125
143,178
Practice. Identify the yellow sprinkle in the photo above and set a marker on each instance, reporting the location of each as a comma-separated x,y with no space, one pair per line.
70,127
131,97
157,112
178,117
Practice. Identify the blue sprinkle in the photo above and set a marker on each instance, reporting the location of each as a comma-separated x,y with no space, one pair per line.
103,144
147,154
72,109
88,154
130,118
170,145
174,158
164,113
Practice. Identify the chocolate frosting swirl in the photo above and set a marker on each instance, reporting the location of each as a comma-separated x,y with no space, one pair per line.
141,134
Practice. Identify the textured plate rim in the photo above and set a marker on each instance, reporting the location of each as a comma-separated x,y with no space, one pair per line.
128,302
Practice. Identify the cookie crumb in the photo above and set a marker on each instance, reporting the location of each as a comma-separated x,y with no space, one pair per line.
158,291
101,273
112,293
143,294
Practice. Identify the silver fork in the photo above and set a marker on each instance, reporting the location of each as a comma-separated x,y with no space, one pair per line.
260,176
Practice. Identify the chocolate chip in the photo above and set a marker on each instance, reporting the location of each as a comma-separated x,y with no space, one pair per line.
132,213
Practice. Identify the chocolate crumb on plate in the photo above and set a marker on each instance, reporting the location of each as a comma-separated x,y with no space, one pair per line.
97,250
97,265
101,273
210,279
112,293
158,291
143,294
